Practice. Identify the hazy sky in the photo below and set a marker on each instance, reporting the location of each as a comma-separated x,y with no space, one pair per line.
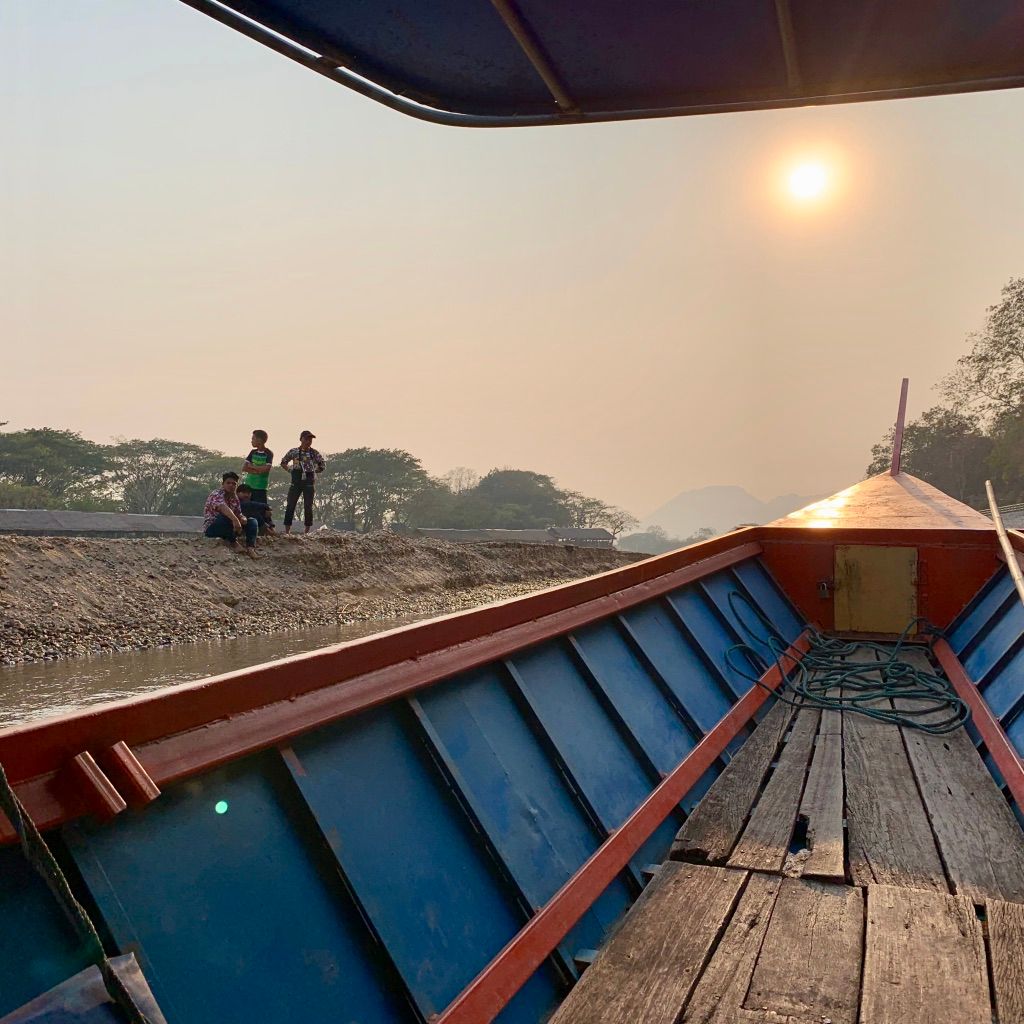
199,237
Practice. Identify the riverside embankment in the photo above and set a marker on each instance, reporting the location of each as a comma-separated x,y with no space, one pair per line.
65,597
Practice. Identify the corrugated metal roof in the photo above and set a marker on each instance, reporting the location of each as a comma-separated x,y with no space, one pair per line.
57,522
548,61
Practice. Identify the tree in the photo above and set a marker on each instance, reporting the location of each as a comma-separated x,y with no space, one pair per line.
948,449
365,488
460,479
153,477
433,505
990,378
584,513
19,496
61,462
521,500
617,520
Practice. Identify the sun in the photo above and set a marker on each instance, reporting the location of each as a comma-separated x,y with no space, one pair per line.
808,181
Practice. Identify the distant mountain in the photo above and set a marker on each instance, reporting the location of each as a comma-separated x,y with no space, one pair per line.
721,508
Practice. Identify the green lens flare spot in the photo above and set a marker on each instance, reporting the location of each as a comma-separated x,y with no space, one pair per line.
221,807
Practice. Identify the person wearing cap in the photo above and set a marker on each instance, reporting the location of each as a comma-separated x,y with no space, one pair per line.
305,462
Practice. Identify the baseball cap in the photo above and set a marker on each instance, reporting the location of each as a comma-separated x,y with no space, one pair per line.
307,433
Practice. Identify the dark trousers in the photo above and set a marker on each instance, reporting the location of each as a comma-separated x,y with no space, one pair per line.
260,495
305,488
260,511
225,529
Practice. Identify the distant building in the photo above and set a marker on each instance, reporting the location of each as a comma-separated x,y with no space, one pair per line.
44,522
1012,515
580,538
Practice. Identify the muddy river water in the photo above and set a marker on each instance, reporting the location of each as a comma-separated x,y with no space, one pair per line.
37,690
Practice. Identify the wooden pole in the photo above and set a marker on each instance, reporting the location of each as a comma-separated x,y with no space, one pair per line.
1011,556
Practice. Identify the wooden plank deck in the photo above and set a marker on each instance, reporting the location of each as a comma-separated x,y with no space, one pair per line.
871,874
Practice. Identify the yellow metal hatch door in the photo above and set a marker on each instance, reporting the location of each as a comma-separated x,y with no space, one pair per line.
875,588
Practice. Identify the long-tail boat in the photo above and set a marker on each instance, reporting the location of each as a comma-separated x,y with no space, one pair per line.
774,776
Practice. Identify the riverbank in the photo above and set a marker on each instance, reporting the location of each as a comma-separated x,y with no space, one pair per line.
65,597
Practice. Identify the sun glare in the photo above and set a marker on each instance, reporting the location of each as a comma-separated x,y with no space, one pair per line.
808,181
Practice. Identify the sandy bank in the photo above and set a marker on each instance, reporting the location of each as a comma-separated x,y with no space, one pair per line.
61,597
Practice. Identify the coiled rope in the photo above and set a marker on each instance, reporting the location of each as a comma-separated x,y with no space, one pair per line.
826,676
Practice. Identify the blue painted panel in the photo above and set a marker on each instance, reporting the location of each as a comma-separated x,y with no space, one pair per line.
993,770
419,871
1006,686
38,946
717,590
999,637
770,598
1015,733
236,916
595,753
638,698
973,619
683,670
519,795
702,622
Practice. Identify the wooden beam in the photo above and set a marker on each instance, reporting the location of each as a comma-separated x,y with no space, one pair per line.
998,744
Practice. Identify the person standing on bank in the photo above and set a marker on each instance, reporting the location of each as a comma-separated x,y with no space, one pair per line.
257,466
222,516
306,462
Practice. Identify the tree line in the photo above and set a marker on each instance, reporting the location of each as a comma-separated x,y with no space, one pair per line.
976,431
362,488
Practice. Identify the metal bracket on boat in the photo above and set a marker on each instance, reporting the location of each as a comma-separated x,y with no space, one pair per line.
125,770
108,790
86,779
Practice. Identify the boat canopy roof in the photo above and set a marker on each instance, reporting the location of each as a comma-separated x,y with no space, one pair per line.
508,62
889,502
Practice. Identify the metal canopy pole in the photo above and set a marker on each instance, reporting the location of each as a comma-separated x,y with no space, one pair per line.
1011,555
523,34
784,18
897,441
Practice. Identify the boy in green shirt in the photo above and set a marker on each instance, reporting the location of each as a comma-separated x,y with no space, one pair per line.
257,466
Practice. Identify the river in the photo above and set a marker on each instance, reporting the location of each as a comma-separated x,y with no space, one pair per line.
40,689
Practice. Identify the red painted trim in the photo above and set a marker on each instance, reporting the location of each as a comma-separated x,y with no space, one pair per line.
484,998
897,441
351,686
996,741
982,538
38,747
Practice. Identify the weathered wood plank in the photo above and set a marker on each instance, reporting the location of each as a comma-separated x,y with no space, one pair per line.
890,838
710,832
648,967
723,986
924,959
1006,941
979,838
765,841
822,809
810,962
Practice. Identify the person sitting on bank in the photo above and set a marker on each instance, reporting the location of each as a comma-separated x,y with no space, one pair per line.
223,516
257,466
306,463
253,509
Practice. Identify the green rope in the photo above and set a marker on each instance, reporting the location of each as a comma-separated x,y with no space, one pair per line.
39,855
826,677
